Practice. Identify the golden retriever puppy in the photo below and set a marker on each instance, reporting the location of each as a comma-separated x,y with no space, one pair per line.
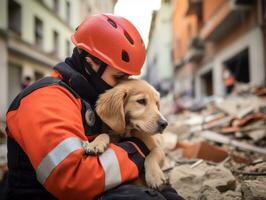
132,109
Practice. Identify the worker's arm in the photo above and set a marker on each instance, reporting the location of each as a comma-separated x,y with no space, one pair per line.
48,127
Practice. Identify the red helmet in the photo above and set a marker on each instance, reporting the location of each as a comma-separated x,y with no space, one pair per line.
112,39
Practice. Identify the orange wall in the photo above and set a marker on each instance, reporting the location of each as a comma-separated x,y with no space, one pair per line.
184,28
247,23
181,24
210,7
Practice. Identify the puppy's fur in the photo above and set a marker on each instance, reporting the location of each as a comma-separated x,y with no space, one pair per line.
132,109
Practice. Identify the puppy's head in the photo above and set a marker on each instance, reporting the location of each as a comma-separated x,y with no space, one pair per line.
133,104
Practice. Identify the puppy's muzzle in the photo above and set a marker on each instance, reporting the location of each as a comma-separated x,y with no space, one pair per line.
162,124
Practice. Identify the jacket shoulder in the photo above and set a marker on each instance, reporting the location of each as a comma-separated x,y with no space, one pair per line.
42,83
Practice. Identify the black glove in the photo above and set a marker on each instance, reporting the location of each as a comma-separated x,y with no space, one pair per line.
136,155
169,193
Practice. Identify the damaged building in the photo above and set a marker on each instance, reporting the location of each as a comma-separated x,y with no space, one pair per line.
209,36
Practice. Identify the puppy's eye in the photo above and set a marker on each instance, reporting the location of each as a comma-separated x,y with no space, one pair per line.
142,101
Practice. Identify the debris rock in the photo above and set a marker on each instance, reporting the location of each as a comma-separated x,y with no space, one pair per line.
232,195
254,189
220,178
257,135
187,181
228,135
209,193
203,179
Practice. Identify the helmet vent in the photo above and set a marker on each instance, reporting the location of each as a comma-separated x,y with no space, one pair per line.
112,23
125,56
129,38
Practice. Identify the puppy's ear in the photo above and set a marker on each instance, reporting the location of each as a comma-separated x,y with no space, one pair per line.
110,108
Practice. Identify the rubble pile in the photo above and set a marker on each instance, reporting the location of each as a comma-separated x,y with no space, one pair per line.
218,151
197,182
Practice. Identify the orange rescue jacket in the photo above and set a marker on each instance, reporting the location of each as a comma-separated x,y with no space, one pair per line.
47,125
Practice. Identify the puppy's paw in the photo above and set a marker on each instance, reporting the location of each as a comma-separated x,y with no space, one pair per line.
94,148
98,146
155,178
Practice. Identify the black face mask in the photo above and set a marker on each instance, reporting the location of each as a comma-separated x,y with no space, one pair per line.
94,78
87,83
78,62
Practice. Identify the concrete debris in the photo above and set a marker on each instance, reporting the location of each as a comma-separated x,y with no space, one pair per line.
219,178
202,182
187,181
257,135
254,189
216,137
170,140
221,154
209,193
206,151
232,195
239,107
259,167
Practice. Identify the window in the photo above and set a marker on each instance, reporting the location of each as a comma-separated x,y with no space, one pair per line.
38,75
14,81
56,42
89,10
38,32
263,11
67,48
239,66
56,6
14,16
68,11
207,83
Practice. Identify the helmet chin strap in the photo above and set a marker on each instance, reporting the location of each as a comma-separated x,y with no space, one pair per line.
101,69
90,70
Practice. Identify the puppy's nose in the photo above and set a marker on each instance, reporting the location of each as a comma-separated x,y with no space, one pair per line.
162,124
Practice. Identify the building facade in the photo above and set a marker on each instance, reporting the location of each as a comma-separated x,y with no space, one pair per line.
92,7
210,36
34,36
158,69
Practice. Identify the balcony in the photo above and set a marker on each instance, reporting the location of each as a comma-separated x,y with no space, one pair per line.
20,47
230,14
196,50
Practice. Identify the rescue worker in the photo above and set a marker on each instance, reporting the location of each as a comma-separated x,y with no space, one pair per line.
46,122
229,80
26,82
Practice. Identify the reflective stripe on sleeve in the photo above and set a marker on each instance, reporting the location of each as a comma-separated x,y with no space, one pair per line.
55,156
111,169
